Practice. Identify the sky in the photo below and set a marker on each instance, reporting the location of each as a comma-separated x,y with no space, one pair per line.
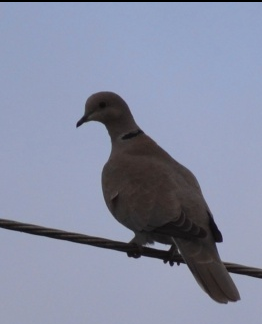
192,76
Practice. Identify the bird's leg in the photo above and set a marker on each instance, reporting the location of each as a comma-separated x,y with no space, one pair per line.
172,254
136,245
136,250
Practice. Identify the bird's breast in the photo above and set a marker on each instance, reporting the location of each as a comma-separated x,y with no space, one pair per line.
140,196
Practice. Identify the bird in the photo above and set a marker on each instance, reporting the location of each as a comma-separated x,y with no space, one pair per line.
158,198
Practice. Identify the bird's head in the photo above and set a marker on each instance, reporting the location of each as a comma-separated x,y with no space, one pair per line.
104,107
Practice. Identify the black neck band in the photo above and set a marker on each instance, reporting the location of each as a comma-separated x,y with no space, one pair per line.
132,134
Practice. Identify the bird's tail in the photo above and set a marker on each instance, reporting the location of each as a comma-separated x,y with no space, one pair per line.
209,271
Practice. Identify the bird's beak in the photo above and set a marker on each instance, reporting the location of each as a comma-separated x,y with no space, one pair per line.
81,121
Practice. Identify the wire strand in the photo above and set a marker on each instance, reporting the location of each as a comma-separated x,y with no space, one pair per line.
114,245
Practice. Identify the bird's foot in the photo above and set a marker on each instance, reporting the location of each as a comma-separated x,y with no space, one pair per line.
172,256
135,252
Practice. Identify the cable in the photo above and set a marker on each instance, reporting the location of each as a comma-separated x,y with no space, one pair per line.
130,249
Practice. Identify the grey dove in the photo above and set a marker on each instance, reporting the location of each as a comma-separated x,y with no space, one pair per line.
157,198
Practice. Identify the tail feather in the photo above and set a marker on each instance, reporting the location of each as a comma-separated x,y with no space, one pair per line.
209,271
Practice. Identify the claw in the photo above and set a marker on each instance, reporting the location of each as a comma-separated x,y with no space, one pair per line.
135,252
172,255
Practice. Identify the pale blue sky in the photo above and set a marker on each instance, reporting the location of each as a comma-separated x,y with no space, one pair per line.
192,76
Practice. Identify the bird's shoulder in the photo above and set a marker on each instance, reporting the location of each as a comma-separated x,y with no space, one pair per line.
144,157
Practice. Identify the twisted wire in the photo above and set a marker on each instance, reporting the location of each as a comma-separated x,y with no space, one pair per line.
114,245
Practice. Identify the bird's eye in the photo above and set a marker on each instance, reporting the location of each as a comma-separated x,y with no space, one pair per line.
102,104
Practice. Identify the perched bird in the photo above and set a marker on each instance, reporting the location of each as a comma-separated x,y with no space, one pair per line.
157,198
